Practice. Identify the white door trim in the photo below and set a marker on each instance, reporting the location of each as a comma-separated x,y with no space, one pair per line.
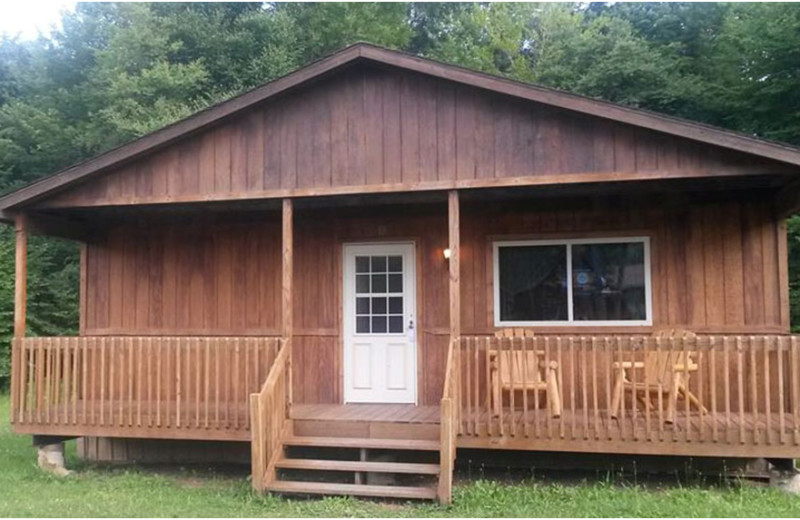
406,340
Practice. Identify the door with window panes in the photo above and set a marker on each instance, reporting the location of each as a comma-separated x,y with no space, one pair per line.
379,323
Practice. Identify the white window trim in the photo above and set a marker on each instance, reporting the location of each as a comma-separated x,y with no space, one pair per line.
648,299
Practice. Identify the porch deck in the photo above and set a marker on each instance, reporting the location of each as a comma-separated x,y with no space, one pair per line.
198,388
395,413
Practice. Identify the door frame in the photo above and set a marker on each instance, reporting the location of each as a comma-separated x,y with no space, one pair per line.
417,288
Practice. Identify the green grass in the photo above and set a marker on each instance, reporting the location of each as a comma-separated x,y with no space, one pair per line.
133,491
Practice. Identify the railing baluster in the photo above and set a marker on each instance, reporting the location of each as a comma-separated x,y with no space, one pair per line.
468,366
712,353
584,389
207,379
160,362
647,404
217,363
57,379
767,397
489,390
727,372
660,386
27,390
536,413
572,385
740,378
795,389
66,372
550,398
701,368
476,383
779,343
48,396
149,409
687,382
139,381
632,374
634,394
88,381
102,382
40,381
559,387
751,345
525,348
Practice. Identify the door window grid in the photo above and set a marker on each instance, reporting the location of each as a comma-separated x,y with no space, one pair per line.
379,294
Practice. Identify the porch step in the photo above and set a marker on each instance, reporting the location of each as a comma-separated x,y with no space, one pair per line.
364,466
388,468
326,488
372,444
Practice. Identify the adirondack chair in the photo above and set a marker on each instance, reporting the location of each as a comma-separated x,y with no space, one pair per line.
516,371
666,372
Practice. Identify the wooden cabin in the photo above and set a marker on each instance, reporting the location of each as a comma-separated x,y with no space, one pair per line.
384,259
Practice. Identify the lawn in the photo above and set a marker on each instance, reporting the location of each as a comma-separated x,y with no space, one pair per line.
134,491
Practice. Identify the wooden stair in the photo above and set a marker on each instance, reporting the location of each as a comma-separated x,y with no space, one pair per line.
405,468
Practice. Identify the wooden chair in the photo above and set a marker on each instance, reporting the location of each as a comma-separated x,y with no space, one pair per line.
516,371
666,372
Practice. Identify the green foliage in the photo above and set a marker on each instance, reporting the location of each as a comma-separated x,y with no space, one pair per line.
116,71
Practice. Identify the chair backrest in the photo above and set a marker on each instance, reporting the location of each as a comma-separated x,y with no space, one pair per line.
660,366
513,332
676,333
518,368
517,365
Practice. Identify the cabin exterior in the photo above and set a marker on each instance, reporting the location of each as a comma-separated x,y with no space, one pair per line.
387,255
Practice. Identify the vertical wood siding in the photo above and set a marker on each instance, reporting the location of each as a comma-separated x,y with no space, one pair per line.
716,268
371,127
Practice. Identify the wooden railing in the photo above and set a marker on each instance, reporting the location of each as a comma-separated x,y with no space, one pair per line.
743,393
270,410
450,410
161,387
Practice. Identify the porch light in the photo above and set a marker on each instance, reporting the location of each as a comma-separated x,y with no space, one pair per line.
447,253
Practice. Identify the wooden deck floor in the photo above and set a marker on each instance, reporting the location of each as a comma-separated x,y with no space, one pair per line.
398,413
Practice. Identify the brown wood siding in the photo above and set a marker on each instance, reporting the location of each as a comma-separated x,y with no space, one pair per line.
716,268
373,128
188,278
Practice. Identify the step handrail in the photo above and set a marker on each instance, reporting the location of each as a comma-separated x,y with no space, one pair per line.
270,413
449,425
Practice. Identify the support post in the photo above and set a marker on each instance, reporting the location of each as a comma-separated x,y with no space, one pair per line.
288,253
287,290
454,244
20,309
21,276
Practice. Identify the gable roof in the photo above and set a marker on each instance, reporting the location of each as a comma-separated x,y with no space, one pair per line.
370,53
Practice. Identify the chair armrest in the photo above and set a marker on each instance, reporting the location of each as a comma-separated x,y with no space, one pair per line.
553,365
628,364
684,368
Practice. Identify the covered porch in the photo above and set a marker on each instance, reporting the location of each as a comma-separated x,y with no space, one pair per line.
232,327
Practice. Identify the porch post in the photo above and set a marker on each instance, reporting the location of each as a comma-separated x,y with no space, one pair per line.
21,276
288,253
455,283
20,302
287,292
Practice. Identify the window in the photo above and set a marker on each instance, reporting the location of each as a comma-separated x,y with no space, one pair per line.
379,294
604,281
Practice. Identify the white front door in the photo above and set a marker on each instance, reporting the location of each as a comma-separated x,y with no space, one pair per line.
380,354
